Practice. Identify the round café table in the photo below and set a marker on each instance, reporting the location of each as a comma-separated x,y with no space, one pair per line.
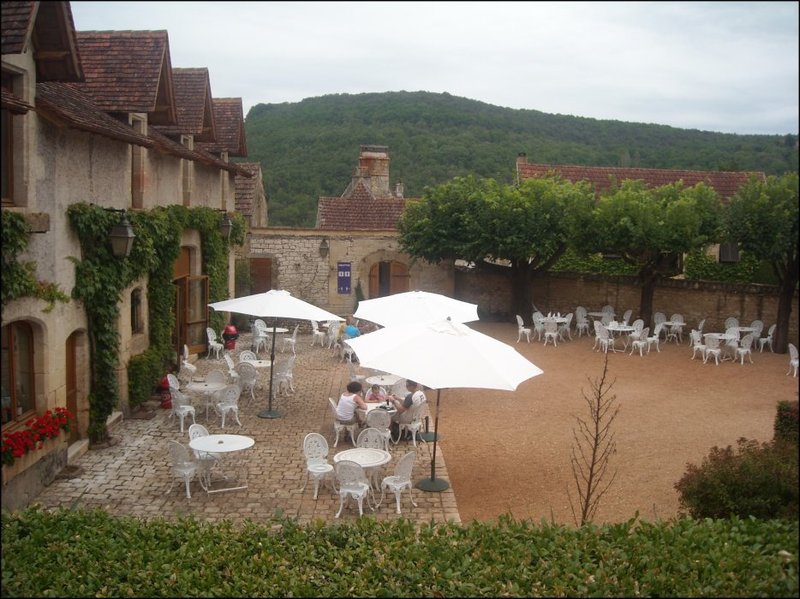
224,444
383,380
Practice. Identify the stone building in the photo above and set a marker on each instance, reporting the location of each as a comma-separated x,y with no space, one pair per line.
353,252
96,117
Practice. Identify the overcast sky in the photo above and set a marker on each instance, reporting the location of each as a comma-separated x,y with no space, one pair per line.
718,66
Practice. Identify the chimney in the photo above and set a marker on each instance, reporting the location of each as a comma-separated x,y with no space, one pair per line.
398,189
522,158
375,161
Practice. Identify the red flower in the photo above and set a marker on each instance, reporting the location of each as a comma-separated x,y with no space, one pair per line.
47,426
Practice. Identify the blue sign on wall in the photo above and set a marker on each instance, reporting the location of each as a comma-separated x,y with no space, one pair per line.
343,277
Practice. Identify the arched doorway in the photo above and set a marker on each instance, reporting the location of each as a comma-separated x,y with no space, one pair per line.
387,278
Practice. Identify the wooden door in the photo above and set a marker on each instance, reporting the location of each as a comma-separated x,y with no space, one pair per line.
70,354
388,278
191,313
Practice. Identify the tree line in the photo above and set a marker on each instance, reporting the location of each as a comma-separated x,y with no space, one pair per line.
309,149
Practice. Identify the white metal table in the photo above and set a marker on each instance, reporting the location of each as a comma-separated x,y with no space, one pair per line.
223,444
383,380
205,389
368,458
621,329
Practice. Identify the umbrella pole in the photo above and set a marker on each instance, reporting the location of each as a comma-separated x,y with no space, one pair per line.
269,412
433,484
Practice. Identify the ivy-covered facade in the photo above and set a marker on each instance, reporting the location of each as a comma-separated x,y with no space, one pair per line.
83,328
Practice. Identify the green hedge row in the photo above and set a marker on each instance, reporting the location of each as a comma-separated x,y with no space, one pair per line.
91,553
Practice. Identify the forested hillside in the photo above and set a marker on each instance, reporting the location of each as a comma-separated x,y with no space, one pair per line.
310,148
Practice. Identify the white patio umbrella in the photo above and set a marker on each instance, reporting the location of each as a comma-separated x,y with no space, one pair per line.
443,355
415,306
275,303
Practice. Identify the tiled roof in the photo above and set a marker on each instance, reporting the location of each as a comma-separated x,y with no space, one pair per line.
129,71
16,26
193,103
67,106
48,29
229,123
725,183
166,145
247,187
360,211
13,103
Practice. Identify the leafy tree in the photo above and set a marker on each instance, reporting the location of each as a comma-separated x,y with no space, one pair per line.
651,228
762,218
476,220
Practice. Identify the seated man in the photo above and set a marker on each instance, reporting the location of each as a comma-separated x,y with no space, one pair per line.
414,397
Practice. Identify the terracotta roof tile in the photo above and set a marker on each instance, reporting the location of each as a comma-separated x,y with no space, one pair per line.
13,103
67,106
129,71
16,26
229,123
360,210
48,29
725,183
166,145
247,187
194,105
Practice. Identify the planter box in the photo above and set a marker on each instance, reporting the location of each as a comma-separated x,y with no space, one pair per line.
27,476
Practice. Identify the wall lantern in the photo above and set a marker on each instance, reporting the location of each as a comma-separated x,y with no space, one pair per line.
324,248
226,226
121,235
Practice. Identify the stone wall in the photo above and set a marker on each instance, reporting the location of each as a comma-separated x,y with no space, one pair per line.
562,292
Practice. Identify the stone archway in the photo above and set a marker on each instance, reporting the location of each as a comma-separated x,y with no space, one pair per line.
388,277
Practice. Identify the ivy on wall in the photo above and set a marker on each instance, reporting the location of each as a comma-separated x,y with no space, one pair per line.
101,278
19,278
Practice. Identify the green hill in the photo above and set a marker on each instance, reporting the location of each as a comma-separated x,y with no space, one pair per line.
310,148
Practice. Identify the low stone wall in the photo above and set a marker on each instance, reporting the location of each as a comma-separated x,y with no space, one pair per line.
562,292
27,476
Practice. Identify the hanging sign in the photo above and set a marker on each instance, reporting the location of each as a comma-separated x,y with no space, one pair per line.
343,277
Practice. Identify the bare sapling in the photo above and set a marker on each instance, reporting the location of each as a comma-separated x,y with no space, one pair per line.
592,450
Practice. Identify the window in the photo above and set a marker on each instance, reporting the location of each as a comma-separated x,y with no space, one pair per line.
18,393
728,253
136,311
7,157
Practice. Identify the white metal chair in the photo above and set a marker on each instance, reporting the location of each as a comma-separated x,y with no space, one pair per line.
565,327
401,479
712,347
317,334
315,450
339,427
215,377
173,381
206,460
641,342
608,309
551,332
731,322
655,338
411,422
291,341
228,403
354,375
283,377
626,317
381,421
676,330
182,465
767,340
522,330
213,344
352,482
181,407
190,368
604,337
247,356
231,368
247,377
793,360
372,438
581,325
745,348
697,343
260,335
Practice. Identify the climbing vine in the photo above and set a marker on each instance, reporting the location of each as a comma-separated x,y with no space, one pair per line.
19,278
101,278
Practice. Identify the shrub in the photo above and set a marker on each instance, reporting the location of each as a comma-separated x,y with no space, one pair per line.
787,421
756,480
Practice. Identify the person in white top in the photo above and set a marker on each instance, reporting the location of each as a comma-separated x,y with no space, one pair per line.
349,402
414,397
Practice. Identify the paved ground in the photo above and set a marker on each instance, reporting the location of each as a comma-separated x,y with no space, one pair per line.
133,477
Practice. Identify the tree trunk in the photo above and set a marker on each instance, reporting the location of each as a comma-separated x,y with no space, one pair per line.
648,283
521,292
785,299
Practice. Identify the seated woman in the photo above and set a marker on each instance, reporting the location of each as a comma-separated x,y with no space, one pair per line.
349,402
375,394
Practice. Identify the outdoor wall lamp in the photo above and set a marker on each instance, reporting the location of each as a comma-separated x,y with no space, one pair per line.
121,235
324,248
226,226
